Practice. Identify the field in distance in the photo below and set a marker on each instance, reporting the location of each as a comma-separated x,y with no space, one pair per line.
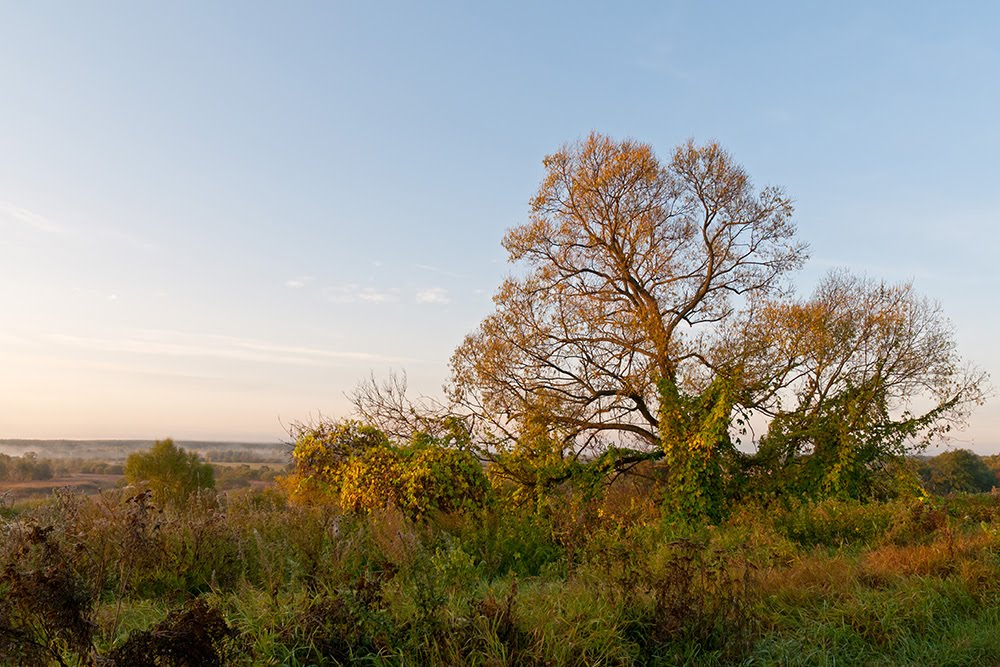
118,450
32,469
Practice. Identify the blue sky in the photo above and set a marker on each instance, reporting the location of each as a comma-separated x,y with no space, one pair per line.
216,218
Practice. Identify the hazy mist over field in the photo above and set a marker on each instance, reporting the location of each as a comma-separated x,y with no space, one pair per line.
118,450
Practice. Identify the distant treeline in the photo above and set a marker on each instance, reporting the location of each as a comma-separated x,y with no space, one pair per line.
245,456
959,471
30,467
953,471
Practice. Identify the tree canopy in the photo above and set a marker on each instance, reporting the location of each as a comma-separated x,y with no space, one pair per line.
170,472
852,378
629,266
649,316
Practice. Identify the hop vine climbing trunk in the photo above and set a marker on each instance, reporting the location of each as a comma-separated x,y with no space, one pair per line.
694,436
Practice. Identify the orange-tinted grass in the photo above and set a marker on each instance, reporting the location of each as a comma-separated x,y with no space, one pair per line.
809,578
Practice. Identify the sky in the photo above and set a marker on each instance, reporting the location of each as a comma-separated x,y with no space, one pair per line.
216,218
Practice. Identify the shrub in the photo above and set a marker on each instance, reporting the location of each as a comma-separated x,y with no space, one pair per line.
359,467
834,522
47,604
193,635
171,473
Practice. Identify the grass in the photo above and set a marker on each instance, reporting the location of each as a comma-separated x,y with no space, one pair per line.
907,582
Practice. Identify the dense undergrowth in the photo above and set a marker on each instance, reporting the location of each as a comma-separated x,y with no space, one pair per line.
247,579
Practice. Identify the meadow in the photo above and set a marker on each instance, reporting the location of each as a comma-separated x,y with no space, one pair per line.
246,577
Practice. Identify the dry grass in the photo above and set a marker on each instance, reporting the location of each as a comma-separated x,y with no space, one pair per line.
809,578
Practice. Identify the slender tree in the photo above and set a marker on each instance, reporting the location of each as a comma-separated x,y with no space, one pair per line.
853,378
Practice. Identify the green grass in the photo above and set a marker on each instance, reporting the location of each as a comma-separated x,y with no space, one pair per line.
907,582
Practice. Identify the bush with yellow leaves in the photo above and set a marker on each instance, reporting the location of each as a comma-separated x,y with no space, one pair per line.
359,467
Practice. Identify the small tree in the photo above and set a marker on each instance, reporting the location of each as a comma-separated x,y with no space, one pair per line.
170,472
31,468
854,378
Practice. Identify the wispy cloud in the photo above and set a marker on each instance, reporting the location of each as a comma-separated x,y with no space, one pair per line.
298,282
43,223
122,368
178,344
30,218
437,270
373,295
95,294
354,293
436,295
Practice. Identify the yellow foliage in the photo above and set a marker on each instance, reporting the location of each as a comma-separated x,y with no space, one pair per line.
359,467
370,481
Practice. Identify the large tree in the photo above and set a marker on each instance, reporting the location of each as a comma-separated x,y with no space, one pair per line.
648,317
626,270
